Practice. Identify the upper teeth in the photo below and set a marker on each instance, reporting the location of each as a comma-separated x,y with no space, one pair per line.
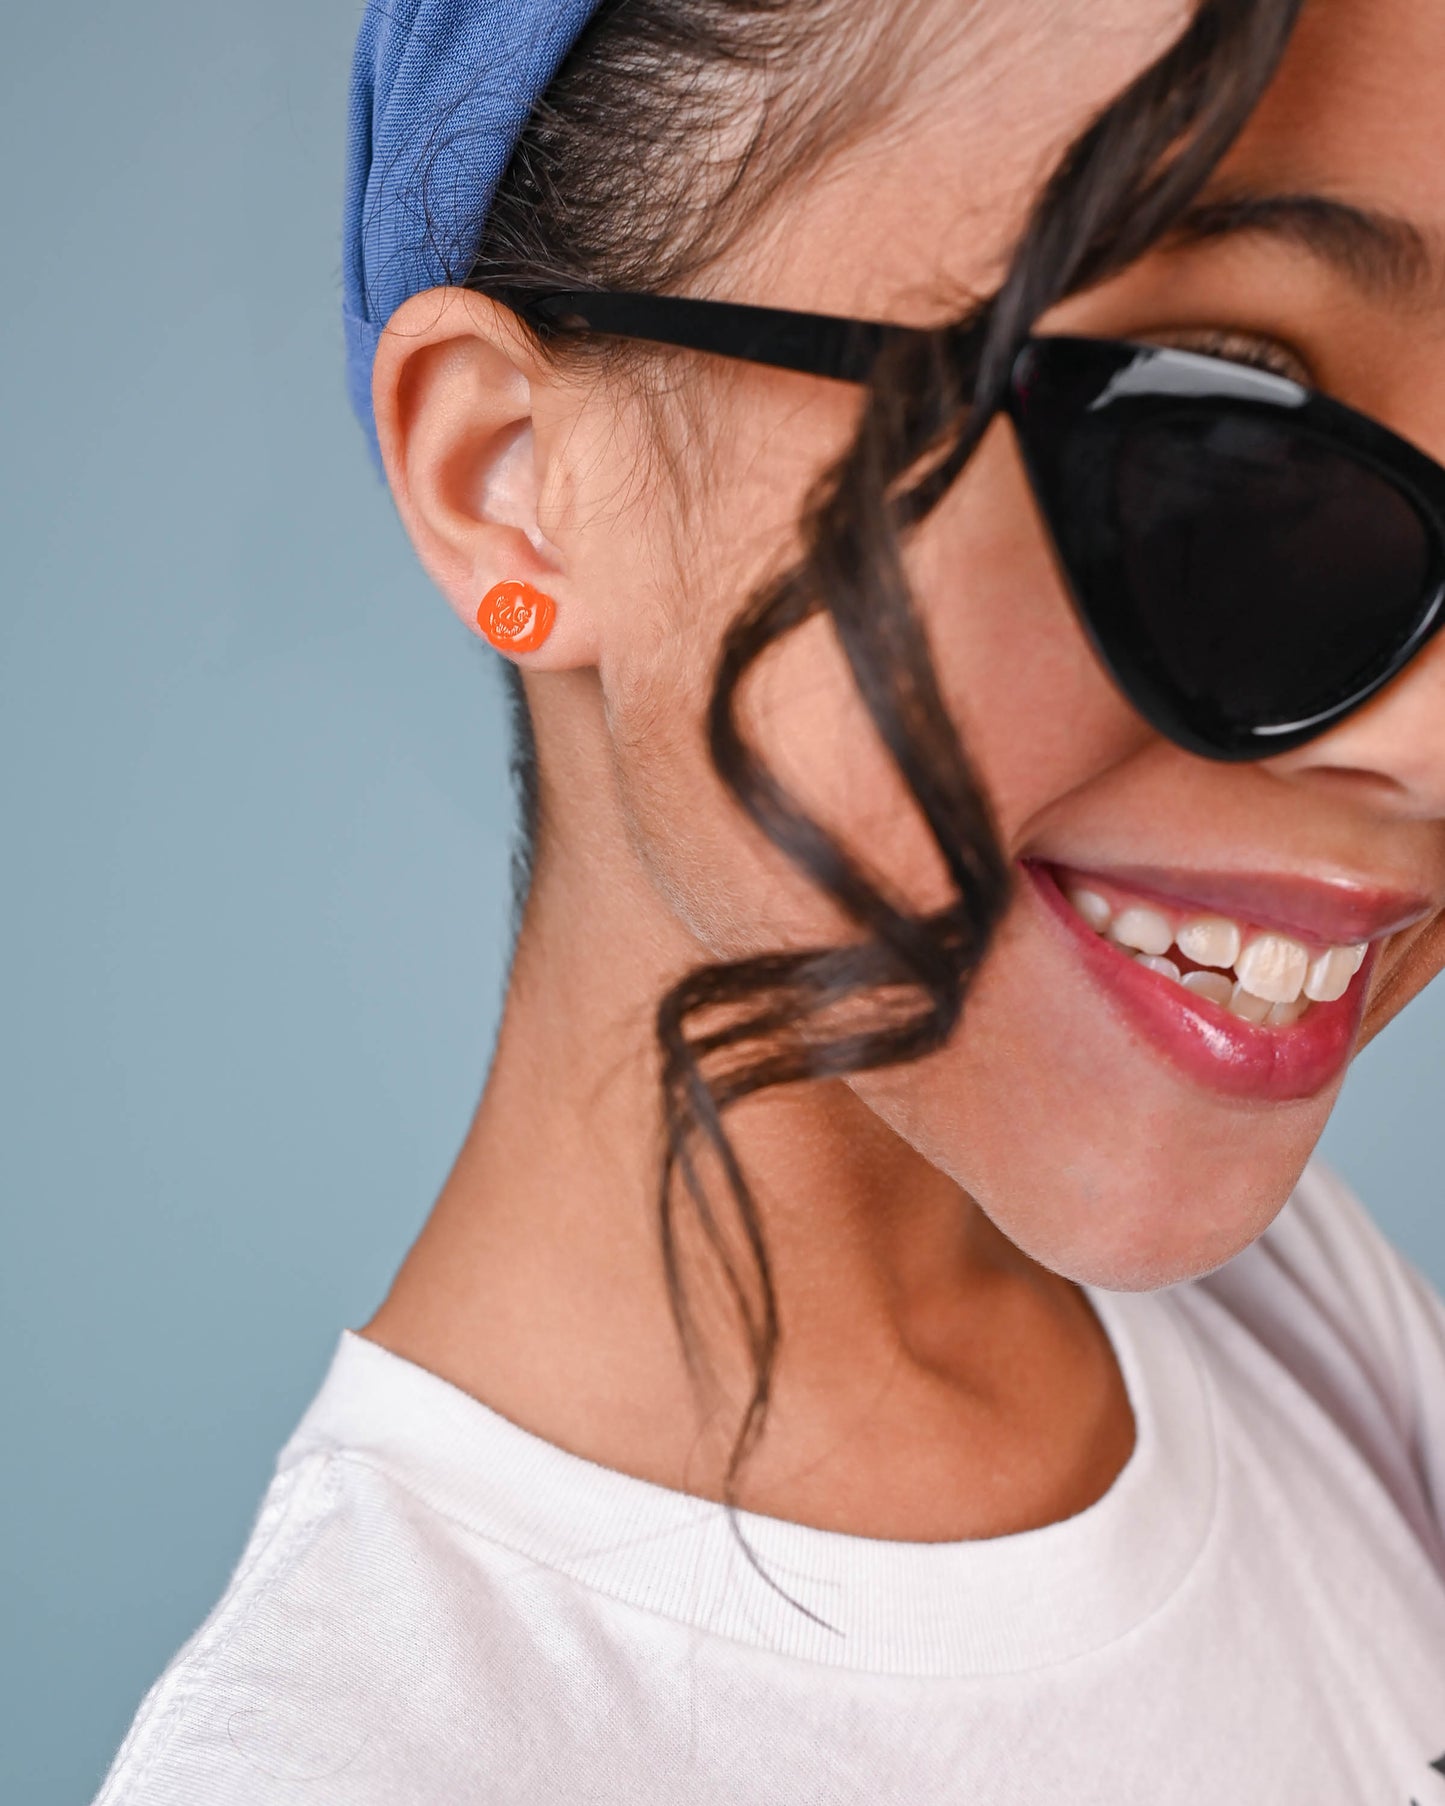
1269,969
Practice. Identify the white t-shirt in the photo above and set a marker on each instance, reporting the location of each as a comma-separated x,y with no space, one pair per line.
438,1607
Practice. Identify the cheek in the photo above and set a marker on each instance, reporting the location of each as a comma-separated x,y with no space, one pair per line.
1039,716
734,891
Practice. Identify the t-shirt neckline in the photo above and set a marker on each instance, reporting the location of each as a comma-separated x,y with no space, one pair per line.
998,1606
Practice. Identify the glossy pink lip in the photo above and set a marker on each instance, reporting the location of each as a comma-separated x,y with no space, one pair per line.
1208,1045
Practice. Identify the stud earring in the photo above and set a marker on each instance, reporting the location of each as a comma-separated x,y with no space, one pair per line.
515,617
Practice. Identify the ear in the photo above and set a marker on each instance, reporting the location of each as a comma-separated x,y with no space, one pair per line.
454,388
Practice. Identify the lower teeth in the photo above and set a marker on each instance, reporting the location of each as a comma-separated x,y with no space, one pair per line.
1226,993
1214,987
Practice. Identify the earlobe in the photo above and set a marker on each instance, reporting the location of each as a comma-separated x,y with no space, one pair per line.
455,387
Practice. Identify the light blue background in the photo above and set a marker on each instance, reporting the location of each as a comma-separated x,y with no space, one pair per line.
255,819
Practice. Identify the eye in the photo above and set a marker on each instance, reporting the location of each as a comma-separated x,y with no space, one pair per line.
1239,347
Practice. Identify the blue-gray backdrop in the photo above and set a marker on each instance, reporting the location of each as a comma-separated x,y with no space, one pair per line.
255,824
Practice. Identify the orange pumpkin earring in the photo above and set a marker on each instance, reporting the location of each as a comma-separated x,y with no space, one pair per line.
515,617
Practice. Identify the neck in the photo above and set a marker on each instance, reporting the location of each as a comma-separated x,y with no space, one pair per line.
925,1362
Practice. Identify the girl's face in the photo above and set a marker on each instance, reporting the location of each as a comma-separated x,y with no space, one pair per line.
1116,1126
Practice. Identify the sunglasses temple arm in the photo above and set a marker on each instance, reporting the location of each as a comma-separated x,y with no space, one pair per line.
812,344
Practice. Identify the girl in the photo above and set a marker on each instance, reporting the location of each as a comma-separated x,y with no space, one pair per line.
955,488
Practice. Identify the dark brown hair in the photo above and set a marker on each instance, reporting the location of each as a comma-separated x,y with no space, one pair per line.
619,182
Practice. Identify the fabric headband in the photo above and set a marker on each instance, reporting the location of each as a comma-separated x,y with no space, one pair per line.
440,93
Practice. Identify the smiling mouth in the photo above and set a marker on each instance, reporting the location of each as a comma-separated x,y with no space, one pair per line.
1239,1006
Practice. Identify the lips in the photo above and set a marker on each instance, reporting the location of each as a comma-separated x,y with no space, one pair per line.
1208,1044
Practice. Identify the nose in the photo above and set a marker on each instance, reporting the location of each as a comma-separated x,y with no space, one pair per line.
1389,754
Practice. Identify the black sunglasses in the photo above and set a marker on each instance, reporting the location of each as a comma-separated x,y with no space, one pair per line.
1251,560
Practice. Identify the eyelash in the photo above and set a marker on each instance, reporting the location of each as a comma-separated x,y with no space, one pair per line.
1239,348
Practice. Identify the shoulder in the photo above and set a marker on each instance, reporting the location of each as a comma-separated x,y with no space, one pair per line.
190,1730
1324,1304
1325,1268
364,1613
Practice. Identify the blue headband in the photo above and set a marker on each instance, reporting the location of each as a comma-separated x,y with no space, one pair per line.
440,93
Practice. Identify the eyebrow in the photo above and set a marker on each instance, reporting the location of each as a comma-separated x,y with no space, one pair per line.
1380,253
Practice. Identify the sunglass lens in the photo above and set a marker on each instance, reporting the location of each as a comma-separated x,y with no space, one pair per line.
1268,576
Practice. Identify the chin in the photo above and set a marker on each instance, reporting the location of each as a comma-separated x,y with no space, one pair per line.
1124,1198
1145,1231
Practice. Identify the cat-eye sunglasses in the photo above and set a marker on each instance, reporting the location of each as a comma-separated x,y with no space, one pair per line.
1250,559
